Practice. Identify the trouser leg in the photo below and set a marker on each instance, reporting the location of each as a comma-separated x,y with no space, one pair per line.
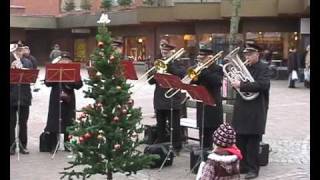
241,142
161,124
207,137
252,148
13,121
176,139
23,120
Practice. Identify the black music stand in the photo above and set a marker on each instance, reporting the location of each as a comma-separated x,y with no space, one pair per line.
18,77
169,81
200,94
61,73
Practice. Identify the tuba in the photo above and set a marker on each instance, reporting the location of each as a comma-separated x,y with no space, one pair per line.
235,69
193,73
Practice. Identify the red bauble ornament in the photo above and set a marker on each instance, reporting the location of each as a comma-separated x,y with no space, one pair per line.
130,102
70,137
117,146
87,135
115,119
124,111
100,44
81,139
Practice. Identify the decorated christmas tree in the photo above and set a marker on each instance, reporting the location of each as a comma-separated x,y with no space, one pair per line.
104,138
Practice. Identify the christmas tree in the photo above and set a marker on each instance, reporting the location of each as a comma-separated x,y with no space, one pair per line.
104,138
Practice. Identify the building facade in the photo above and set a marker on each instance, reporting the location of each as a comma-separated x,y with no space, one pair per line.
274,24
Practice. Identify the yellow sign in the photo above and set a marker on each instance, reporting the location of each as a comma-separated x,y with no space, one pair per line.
80,50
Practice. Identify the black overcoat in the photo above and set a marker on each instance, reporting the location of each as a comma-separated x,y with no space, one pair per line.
211,79
292,61
249,117
67,108
159,100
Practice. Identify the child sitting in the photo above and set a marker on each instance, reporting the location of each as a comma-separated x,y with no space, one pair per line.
223,162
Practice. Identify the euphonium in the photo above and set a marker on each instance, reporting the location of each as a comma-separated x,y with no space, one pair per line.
235,69
193,73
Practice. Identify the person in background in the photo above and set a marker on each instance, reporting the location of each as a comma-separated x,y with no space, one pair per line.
27,55
223,162
250,116
56,52
211,78
307,68
292,66
67,96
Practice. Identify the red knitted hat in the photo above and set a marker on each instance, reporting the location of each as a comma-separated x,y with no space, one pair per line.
224,136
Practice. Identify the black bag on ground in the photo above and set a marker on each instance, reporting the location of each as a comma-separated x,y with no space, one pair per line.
150,134
161,150
195,157
47,141
264,150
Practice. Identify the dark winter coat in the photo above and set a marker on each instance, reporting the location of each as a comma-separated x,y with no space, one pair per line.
211,79
25,90
67,106
159,100
293,61
249,117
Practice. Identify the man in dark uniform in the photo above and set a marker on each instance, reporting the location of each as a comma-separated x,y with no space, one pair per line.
162,105
249,117
19,61
211,79
67,96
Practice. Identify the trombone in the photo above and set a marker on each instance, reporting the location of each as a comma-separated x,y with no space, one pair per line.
161,66
193,73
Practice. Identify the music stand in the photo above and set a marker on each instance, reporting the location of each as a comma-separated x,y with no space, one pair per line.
200,94
129,71
18,77
61,73
169,81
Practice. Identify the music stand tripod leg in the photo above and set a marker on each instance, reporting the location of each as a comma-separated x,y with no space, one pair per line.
17,143
60,120
201,158
171,136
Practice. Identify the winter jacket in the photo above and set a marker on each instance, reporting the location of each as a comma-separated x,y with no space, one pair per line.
219,167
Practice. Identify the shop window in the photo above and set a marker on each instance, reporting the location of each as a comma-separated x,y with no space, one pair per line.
135,48
80,50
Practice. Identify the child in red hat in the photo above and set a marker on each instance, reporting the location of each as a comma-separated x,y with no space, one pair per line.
223,162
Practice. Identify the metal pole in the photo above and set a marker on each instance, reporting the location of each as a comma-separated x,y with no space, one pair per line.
234,24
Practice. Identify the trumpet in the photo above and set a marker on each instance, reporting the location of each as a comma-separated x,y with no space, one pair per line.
161,66
193,73
235,69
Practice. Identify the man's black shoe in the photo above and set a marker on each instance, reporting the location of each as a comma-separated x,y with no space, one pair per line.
24,151
251,175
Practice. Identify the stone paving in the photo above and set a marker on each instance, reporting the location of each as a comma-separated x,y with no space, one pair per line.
288,129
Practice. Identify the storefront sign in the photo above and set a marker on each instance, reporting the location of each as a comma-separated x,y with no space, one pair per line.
305,26
85,31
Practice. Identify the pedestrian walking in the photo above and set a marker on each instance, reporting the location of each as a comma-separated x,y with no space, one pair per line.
307,68
249,116
56,52
292,67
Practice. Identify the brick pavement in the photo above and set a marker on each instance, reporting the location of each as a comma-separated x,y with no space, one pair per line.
288,128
